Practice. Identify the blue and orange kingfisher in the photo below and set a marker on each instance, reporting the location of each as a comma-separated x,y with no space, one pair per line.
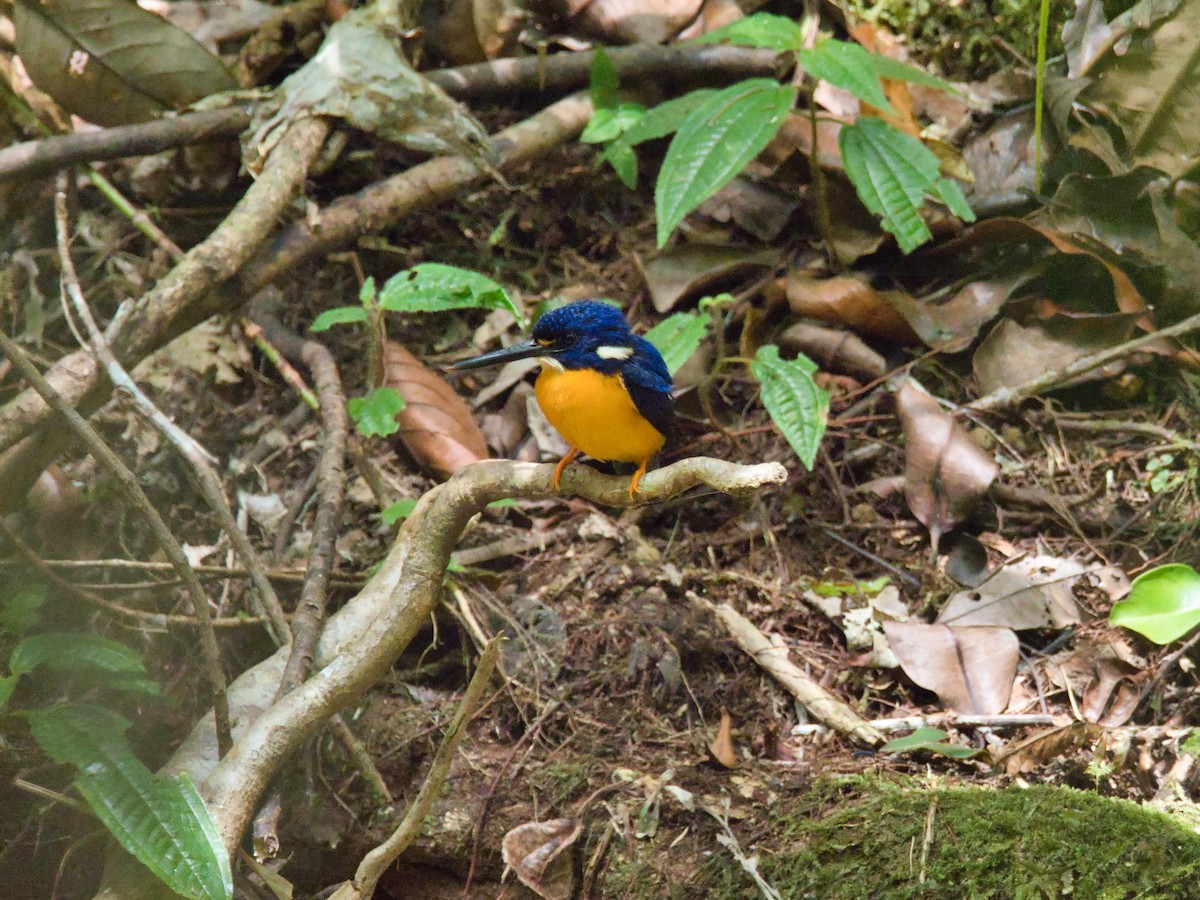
606,389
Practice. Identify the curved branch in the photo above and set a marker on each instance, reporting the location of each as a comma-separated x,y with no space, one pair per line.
364,638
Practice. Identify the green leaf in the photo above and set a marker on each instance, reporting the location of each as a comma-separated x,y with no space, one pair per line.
434,287
948,191
666,118
714,143
886,67
849,66
20,602
339,315
621,157
401,509
367,293
7,686
797,406
1163,604
160,820
375,413
608,124
891,172
77,652
604,81
764,30
677,337
932,739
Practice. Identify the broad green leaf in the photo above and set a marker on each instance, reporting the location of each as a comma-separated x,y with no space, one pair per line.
375,413
1163,604
112,62
886,67
667,117
797,406
159,819
401,509
339,315
891,172
610,123
714,144
677,337
761,29
434,287
116,665
932,739
848,66
603,82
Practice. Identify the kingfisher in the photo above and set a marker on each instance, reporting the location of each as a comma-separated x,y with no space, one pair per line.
605,389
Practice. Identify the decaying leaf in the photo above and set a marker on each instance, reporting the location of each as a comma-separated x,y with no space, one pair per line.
360,75
952,323
435,424
535,853
970,669
636,21
1105,683
835,351
208,346
721,746
946,473
471,31
1031,592
111,62
697,269
848,301
1026,755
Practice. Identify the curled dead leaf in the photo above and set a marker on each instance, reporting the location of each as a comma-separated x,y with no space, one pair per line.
721,746
834,350
946,473
970,669
847,301
436,425
535,852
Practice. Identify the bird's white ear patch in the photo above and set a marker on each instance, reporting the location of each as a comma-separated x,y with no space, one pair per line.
614,352
550,362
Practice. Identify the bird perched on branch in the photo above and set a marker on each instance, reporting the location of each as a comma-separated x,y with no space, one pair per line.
606,389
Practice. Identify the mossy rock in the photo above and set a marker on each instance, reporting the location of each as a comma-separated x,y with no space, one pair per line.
1033,843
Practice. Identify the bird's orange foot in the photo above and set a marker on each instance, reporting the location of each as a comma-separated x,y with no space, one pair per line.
562,464
637,477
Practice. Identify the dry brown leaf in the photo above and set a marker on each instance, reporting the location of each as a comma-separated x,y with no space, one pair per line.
1032,592
1095,672
638,21
534,851
697,269
850,302
946,473
835,351
1025,756
472,31
436,425
951,325
721,746
970,669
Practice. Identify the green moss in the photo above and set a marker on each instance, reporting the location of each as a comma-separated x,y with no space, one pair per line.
1041,842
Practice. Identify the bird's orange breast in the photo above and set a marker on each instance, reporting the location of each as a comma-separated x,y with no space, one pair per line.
594,413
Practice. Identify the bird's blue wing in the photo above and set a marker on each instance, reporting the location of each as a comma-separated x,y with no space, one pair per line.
649,384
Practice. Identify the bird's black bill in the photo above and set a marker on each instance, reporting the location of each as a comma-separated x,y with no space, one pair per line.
523,350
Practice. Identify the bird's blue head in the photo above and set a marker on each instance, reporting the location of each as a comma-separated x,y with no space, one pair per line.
587,334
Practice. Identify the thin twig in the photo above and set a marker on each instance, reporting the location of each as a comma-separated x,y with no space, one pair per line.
131,489
199,459
375,863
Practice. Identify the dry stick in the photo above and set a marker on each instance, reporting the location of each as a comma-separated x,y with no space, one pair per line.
375,863
774,659
563,71
1002,398
144,618
287,576
199,459
127,484
181,299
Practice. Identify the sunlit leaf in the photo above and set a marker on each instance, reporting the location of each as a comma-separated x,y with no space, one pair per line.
399,510
1163,604
764,30
375,413
339,315
796,404
677,337
715,143
848,66
933,740
434,287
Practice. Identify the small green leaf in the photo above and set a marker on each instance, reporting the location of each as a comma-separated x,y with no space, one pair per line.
604,81
666,118
160,820
401,509
367,293
621,157
933,740
375,413
1163,604
610,123
339,315
886,67
891,172
434,287
74,651
677,337
948,191
797,406
714,144
764,30
849,66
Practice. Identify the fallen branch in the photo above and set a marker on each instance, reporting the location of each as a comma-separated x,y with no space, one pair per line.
363,639
774,659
